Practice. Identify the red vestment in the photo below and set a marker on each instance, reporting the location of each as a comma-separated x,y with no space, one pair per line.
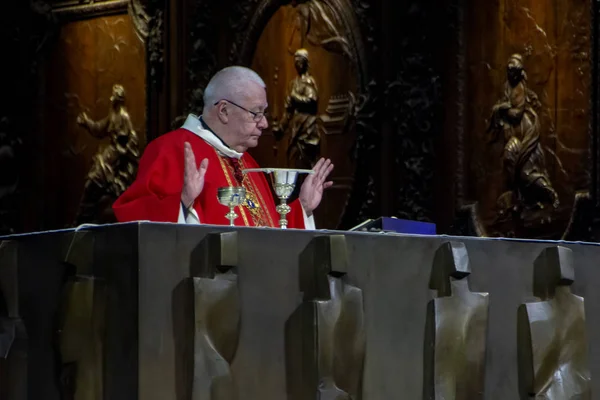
155,195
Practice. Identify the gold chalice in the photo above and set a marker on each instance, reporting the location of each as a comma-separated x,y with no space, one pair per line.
231,196
284,182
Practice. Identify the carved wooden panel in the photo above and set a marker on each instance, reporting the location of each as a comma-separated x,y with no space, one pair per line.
76,9
554,39
87,58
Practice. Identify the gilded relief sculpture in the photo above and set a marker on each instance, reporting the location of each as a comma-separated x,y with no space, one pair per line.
456,331
552,339
114,166
13,333
325,337
320,25
340,114
301,125
215,314
82,323
514,120
300,122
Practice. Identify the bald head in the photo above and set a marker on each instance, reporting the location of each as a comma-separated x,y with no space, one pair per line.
230,83
235,101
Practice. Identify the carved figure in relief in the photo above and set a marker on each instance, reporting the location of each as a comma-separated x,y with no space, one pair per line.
515,120
552,337
320,25
114,166
456,334
300,122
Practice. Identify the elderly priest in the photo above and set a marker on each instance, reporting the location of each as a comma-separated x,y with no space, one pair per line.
172,187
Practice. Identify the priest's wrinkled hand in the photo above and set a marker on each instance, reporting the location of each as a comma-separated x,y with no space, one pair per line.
193,177
311,191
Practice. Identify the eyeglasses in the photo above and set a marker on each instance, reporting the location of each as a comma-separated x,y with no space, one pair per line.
256,116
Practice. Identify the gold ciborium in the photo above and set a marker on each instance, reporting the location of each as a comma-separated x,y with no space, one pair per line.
231,196
284,182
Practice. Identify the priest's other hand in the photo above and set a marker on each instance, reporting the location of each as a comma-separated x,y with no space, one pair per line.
193,178
311,191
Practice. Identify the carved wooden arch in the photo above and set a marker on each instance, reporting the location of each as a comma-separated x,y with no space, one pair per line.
265,11
141,20
357,203
135,8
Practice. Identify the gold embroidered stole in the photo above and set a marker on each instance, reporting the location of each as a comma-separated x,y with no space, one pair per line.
254,206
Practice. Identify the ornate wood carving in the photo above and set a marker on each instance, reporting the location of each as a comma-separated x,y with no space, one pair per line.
300,123
550,45
325,337
141,19
202,63
413,100
156,103
456,332
247,20
75,10
114,165
155,49
25,31
362,202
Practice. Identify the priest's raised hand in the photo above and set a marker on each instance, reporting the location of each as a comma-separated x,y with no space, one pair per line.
311,191
193,178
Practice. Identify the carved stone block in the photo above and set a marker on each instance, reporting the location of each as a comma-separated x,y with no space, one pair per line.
552,339
325,337
208,328
13,335
82,323
455,340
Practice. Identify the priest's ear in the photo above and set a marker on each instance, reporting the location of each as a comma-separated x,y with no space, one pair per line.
222,111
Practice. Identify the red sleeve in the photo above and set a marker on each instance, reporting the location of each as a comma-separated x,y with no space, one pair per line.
155,195
295,217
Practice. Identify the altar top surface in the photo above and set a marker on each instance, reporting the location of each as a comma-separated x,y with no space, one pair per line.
324,231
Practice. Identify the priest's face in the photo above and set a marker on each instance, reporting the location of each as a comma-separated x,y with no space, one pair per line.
247,123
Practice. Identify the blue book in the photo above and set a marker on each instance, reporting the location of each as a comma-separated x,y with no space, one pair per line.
387,224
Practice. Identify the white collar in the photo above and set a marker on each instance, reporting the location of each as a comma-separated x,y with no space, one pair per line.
193,124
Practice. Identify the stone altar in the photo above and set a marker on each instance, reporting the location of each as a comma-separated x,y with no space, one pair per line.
146,348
